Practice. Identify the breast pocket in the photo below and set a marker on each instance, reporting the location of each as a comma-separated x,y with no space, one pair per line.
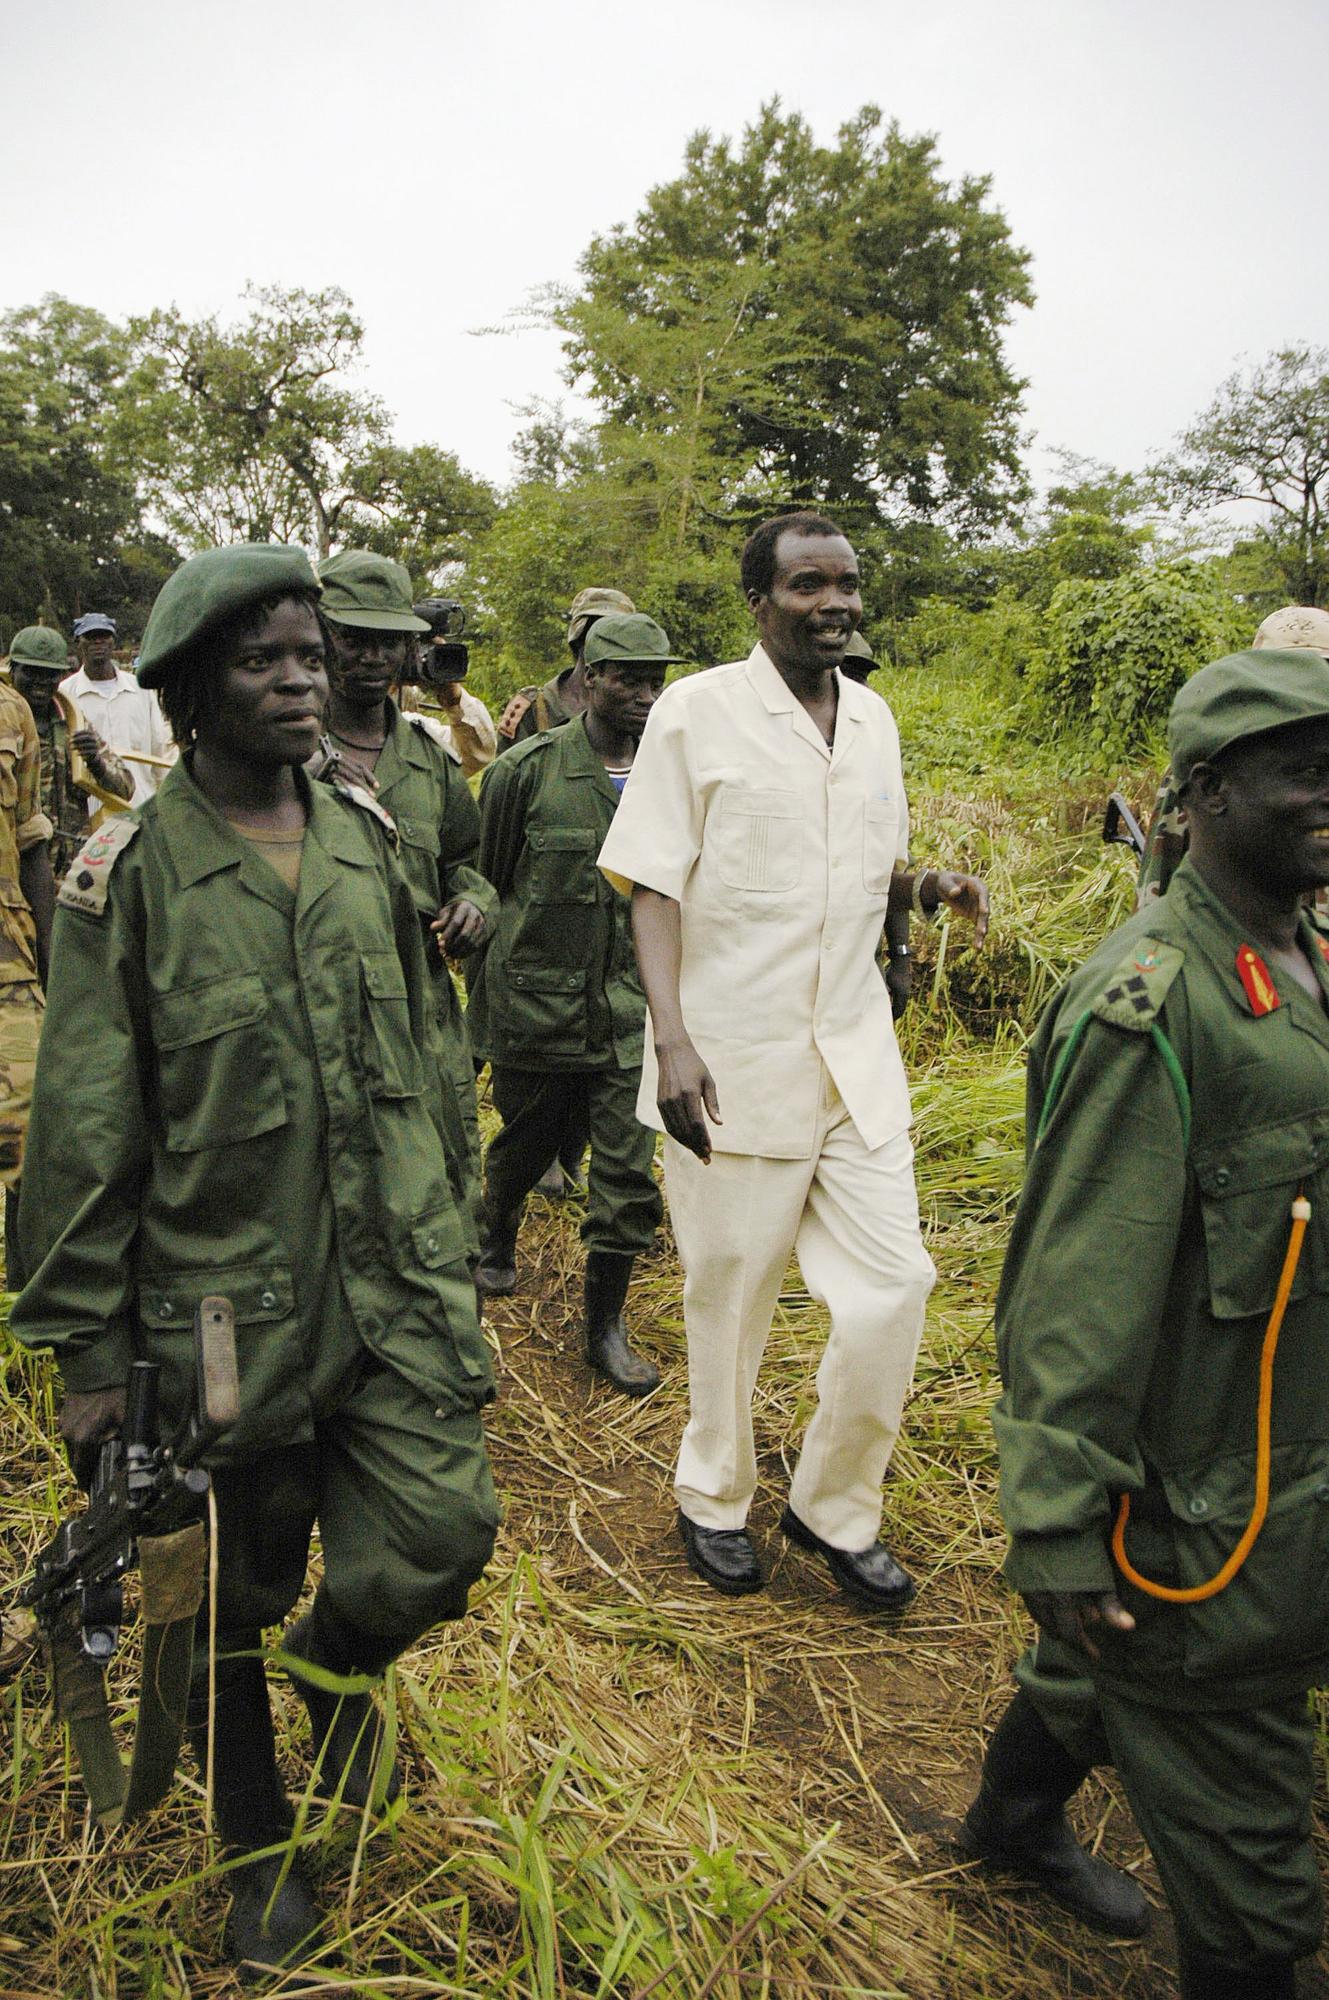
561,863
1247,1184
881,827
391,1059
219,1079
758,844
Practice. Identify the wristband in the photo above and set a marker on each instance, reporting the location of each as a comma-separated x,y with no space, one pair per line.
928,916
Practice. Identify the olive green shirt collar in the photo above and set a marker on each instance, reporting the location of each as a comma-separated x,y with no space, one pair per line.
200,842
1215,931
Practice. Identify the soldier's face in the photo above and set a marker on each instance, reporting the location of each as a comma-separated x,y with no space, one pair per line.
1270,809
623,696
272,691
37,687
366,665
805,618
96,649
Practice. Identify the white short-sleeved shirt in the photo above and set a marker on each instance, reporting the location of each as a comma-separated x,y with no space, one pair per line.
780,852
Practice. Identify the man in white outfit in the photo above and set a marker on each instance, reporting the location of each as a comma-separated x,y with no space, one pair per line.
125,715
764,834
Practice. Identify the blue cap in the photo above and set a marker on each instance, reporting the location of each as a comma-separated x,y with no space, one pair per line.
94,621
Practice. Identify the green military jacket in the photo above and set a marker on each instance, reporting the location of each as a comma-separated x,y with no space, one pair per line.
436,816
233,1096
1180,1114
557,987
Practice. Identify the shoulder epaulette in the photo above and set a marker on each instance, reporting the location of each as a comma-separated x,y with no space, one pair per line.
84,887
366,801
1139,986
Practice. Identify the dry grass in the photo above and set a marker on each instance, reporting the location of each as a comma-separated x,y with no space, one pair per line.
621,1784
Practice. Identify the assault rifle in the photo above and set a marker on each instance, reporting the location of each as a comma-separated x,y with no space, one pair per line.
145,1511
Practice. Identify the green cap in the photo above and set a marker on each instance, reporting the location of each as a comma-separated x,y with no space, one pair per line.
593,603
39,646
628,639
1244,695
859,649
360,588
210,589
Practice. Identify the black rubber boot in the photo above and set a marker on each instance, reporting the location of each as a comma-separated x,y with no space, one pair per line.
496,1272
274,1919
347,1729
552,1184
607,1346
1205,1978
1017,1823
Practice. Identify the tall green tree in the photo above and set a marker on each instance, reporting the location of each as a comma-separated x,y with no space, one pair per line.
1264,442
819,324
71,527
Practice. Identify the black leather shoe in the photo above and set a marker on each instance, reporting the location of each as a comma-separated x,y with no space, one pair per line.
873,1578
722,1557
273,1920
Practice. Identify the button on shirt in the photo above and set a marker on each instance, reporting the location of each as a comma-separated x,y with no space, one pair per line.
127,717
779,851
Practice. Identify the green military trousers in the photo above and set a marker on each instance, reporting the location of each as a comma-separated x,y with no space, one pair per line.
406,1513
1223,1797
538,1108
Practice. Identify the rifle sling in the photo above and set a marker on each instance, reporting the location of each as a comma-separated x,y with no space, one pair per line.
172,1573
171,1569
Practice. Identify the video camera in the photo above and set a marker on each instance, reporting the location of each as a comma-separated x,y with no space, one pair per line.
442,655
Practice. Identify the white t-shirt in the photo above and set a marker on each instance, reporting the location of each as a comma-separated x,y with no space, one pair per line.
780,852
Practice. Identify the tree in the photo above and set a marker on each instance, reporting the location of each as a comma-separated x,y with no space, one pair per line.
71,530
418,505
1264,441
819,325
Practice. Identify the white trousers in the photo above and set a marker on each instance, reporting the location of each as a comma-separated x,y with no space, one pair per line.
851,1217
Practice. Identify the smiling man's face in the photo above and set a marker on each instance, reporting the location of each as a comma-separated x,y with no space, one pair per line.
813,604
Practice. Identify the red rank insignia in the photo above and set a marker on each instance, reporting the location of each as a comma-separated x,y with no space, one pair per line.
1254,976
1324,948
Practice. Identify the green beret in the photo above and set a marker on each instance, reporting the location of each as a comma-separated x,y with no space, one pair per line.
212,588
360,588
40,646
630,639
1244,695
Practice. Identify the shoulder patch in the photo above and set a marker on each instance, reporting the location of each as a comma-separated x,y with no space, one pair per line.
1139,986
84,887
430,726
366,801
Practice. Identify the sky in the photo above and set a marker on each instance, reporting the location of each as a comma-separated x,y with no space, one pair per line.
1162,160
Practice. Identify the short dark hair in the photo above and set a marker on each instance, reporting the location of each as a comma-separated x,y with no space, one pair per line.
188,694
756,570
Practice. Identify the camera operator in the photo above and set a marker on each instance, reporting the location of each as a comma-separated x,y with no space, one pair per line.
467,729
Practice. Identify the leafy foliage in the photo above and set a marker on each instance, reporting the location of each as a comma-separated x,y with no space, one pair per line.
1115,651
1264,440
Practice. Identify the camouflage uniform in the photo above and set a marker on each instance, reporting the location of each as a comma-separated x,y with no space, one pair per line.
22,825
65,806
1164,844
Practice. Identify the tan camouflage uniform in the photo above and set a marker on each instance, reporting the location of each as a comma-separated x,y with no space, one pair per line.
65,806
22,825
1164,844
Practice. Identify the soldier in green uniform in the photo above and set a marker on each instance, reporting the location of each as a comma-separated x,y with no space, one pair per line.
367,604
78,767
234,1096
1295,627
1178,1112
535,709
556,1005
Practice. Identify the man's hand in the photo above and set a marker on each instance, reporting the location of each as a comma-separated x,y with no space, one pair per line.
1073,1616
460,927
87,1417
356,768
899,984
90,748
687,1098
967,895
